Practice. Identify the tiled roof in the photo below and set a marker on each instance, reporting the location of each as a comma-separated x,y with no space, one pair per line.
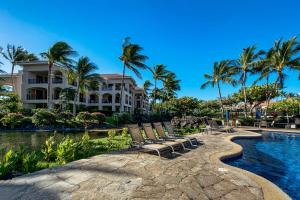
113,76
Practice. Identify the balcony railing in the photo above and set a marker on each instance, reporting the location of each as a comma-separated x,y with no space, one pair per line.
34,97
37,81
57,80
107,89
94,101
106,101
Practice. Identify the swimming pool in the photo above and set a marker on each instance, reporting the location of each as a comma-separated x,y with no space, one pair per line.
275,156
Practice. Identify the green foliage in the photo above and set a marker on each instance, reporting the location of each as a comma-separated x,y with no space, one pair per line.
7,163
85,146
30,161
49,149
122,118
43,118
65,151
99,117
287,106
12,120
10,103
248,121
85,117
111,134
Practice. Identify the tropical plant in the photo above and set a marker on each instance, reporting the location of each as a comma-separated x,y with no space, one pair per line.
99,117
29,162
14,55
171,85
85,118
83,73
59,52
66,150
7,163
10,102
246,63
43,118
159,72
12,120
284,56
133,60
49,149
222,72
146,86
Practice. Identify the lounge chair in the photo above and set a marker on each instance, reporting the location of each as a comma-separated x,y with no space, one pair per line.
138,141
161,132
171,132
152,137
215,126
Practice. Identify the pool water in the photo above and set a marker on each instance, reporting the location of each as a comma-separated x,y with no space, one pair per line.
276,156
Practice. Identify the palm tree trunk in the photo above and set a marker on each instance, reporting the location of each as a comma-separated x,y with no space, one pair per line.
267,95
155,87
220,97
11,77
245,94
49,86
75,100
122,88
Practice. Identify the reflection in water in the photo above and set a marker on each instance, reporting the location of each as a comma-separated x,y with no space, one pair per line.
35,140
274,157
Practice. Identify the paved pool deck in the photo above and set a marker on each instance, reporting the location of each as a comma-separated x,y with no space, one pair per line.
197,174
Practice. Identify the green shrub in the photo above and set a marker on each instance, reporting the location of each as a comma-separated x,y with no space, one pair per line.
66,150
85,118
99,117
124,133
246,121
111,134
43,118
12,120
122,118
49,149
7,163
84,147
30,161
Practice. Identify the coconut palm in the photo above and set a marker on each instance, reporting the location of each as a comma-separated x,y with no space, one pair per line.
159,72
146,86
245,64
133,60
16,54
60,52
171,85
83,73
222,72
284,57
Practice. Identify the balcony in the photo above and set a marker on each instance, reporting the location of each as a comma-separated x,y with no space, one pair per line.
36,97
107,89
37,81
93,101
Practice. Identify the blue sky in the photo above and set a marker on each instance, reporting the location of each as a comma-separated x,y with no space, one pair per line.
186,35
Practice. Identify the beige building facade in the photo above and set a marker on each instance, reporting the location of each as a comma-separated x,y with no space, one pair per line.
31,84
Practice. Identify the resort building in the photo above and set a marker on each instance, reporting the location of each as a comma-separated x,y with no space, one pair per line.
31,84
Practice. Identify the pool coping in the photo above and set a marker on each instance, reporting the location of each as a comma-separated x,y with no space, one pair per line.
269,189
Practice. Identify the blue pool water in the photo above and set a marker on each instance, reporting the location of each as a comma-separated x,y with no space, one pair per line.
276,156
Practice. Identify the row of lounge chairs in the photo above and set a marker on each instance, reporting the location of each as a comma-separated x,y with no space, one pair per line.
161,142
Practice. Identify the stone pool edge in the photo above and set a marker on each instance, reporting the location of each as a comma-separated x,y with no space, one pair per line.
270,190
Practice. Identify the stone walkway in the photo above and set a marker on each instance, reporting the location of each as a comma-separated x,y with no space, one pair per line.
138,176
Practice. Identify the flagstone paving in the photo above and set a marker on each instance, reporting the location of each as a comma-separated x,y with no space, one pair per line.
130,175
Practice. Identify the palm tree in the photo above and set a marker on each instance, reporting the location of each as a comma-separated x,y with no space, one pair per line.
245,64
171,85
133,60
284,56
222,72
58,52
14,55
83,73
146,86
159,72
1,71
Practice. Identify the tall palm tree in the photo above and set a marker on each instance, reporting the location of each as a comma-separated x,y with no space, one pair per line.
146,86
1,71
133,60
245,64
83,73
16,54
284,56
222,72
171,85
58,52
159,72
